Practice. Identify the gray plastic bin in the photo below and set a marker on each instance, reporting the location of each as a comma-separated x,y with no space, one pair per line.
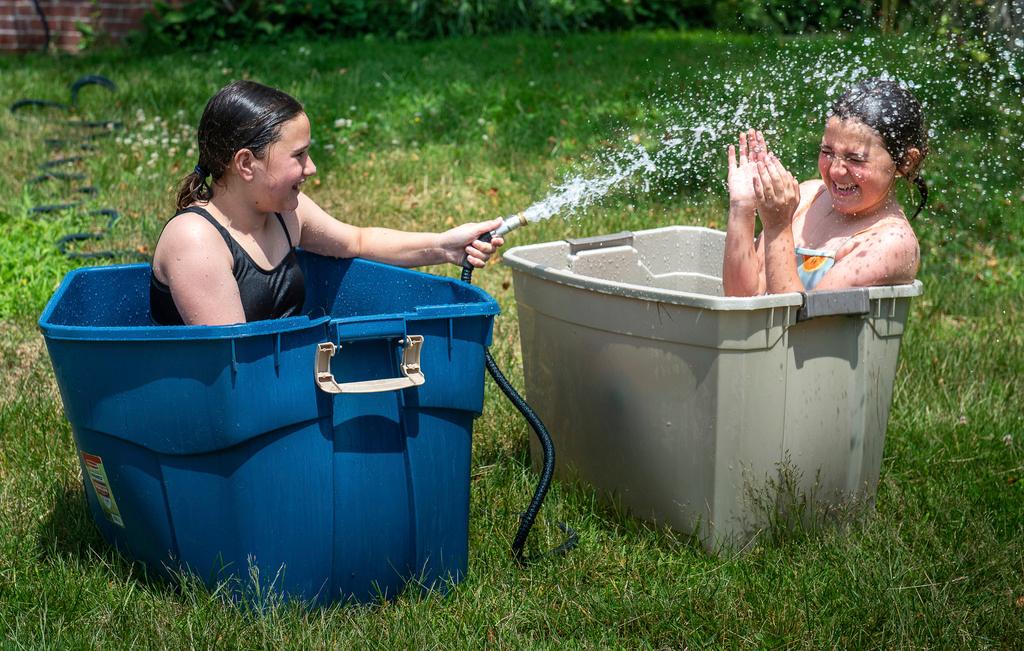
696,410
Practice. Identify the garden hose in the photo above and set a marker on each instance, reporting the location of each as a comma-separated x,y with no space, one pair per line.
527,518
46,26
51,169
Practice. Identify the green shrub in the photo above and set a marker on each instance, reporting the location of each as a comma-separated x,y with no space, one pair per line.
196,24
792,16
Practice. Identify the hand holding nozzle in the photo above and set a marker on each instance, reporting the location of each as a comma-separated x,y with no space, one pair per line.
507,224
474,243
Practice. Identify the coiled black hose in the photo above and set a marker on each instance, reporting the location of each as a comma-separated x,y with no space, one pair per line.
527,518
51,168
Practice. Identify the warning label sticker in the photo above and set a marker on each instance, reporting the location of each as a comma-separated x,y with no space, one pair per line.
100,485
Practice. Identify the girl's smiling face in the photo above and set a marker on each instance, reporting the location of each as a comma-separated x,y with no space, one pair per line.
287,165
855,166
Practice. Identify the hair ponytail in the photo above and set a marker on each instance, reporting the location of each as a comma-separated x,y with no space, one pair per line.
194,188
922,188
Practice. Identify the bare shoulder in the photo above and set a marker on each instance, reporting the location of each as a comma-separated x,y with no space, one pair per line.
810,188
307,211
322,233
808,193
188,230
188,239
892,233
886,253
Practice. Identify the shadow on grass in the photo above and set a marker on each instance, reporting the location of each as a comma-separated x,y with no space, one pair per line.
68,535
619,520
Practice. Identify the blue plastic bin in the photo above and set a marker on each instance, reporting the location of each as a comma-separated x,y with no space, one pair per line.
226,451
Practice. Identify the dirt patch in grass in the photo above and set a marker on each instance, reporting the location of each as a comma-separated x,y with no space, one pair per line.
25,366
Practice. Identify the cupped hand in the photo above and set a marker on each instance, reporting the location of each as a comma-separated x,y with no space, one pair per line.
462,243
777,193
743,159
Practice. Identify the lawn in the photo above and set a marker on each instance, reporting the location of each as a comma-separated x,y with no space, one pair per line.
424,135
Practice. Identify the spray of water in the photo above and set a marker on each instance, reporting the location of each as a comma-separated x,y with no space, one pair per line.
679,147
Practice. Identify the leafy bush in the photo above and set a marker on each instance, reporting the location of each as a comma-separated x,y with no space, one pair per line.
198,23
975,17
793,16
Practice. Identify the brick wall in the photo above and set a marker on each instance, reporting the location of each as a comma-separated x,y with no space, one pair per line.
21,28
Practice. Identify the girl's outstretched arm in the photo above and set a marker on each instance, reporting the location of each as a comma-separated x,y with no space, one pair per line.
321,233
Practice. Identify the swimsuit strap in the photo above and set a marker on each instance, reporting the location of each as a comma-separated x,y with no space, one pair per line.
802,250
824,252
818,193
230,241
233,245
264,293
280,220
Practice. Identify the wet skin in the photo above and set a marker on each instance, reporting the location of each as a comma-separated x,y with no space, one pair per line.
852,210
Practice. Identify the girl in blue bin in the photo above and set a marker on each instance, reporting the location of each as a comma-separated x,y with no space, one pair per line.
847,228
228,255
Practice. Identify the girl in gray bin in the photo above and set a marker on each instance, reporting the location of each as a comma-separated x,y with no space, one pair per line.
847,228
228,255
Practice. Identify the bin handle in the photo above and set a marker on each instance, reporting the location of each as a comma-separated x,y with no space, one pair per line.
853,301
624,238
412,374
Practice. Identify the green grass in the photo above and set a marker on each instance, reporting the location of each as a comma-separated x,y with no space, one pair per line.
455,130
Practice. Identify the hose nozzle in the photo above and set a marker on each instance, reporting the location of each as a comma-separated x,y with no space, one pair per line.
510,223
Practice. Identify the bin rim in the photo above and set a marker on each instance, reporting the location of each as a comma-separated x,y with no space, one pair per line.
151,332
518,258
485,306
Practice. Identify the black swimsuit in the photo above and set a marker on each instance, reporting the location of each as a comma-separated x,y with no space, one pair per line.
265,294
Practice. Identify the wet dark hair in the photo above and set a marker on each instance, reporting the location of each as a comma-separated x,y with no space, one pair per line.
897,117
242,115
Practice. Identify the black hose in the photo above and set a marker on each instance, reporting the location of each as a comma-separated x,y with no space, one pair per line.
46,26
86,80
84,143
62,243
527,518
42,103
